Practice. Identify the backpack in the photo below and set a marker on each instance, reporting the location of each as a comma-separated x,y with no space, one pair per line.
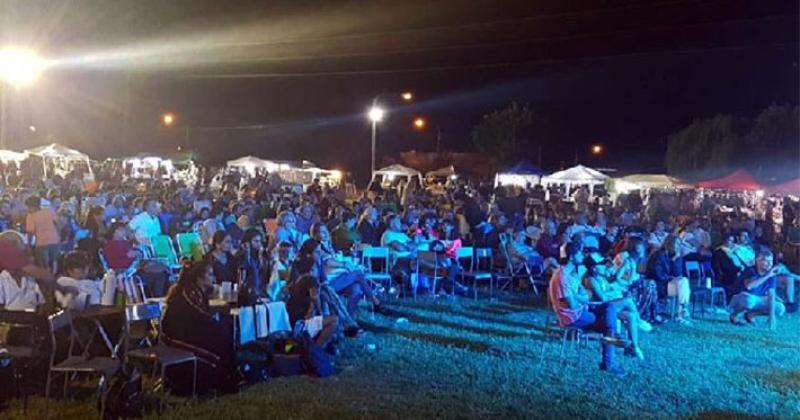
123,398
315,360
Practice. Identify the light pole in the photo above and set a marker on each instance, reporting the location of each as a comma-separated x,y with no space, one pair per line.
169,119
376,114
421,123
19,67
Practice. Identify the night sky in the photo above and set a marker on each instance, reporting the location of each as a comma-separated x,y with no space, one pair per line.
295,78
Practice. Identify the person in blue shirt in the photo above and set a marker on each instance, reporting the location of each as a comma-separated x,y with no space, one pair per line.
758,296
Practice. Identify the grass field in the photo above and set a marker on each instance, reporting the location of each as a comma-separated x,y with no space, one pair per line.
468,359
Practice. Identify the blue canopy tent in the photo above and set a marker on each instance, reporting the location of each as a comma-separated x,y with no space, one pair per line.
521,174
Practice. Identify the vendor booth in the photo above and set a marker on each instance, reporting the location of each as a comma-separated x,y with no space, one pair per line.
61,158
394,173
522,174
576,176
149,167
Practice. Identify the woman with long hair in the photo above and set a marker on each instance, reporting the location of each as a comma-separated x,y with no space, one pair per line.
190,324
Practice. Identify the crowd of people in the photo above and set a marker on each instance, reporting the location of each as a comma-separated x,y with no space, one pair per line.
619,268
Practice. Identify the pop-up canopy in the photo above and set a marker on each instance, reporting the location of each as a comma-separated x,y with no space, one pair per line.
12,156
445,172
649,181
576,176
393,171
738,180
58,153
791,187
251,164
522,174
150,166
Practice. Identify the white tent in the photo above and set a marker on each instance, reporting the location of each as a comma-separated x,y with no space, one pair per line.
576,176
252,164
391,172
147,166
60,154
446,172
12,156
647,181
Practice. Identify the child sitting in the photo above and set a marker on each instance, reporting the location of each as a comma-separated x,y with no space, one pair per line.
76,269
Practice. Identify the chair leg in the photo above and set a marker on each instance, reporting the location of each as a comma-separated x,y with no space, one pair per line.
66,378
194,378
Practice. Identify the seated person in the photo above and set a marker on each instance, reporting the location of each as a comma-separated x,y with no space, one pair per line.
221,258
630,266
19,292
401,248
189,324
521,252
279,277
252,261
304,303
758,296
727,266
76,271
309,259
345,236
613,294
122,255
342,277
666,267
570,302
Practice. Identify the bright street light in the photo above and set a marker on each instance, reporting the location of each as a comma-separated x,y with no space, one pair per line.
20,66
168,119
420,123
375,114
597,149
407,96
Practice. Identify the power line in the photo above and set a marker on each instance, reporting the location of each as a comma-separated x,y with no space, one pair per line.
535,40
471,66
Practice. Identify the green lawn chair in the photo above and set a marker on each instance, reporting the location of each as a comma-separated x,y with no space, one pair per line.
190,246
163,250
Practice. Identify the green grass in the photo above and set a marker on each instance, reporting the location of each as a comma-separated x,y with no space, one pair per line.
481,360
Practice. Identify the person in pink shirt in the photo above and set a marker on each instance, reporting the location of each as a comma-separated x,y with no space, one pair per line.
40,224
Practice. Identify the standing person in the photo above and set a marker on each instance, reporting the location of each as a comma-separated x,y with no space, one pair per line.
40,224
570,301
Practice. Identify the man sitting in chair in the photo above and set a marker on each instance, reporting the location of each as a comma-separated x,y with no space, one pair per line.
570,302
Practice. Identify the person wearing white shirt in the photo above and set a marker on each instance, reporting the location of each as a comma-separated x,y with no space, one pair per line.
657,236
19,292
146,225
76,267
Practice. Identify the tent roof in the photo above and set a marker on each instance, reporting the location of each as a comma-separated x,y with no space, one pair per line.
523,167
446,171
56,150
578,174
789,187
738,180
398,169
652,180
10,155
249,161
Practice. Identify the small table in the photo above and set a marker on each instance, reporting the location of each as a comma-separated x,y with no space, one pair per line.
273,319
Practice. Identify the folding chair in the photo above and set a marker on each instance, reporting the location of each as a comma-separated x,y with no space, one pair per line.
703,291
104,367
160,354
472,268
21,355
519,270
190,246
164,250
431,257
369,256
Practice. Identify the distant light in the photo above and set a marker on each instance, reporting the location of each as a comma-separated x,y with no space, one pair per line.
168,119
20,66
597,149
407,96
375,114
759,193
32,128
420,123
454,177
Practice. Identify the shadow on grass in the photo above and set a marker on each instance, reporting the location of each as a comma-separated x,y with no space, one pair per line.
456,326
462,343
702,334
782,381
722,414
449,310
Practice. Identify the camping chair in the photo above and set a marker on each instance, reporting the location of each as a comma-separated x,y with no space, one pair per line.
472,268
160,354
164,250
21,355
703,291
518,270
104,367
431,257
368,258
190,246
